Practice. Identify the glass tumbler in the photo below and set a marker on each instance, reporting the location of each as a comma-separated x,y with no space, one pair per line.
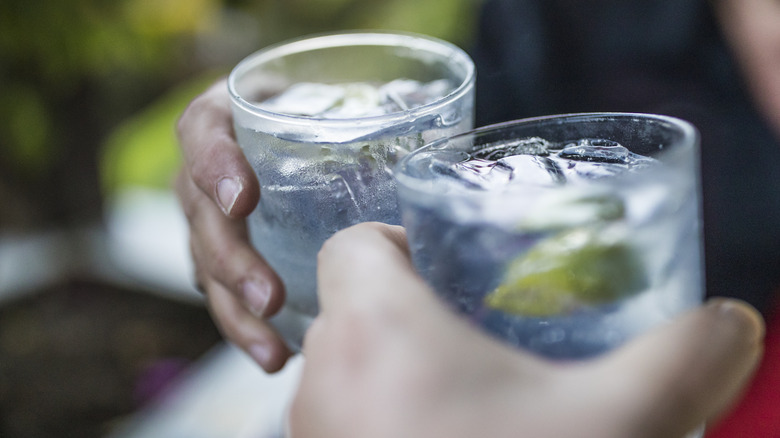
323,120
563,235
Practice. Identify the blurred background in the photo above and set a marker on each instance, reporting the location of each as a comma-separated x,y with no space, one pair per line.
98,318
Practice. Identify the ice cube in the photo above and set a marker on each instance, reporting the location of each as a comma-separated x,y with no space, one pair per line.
358,100
574,170
475,172
406,93
596,150
434,90
640,162
393,92
598,158
533,169
305,99
525,146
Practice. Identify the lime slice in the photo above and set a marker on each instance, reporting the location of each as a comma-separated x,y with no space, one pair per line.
570,270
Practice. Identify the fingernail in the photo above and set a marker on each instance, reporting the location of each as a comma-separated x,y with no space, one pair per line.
744,317
260,353
256,294
227,193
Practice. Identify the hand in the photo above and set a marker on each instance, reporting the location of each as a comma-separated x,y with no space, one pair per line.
218,189
386,359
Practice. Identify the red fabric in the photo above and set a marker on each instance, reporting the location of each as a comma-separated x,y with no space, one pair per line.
758,414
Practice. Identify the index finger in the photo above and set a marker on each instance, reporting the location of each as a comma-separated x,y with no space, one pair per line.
212,155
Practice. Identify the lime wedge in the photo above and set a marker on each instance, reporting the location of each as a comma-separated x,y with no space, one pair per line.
569,270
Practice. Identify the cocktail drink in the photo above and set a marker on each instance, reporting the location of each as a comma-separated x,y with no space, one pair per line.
564,235
323,121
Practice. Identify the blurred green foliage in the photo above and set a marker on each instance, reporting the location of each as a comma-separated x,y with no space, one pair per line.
50,51
452,20
66,40
22,107
80,74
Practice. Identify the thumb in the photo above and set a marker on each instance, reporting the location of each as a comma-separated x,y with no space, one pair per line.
686,372
368,265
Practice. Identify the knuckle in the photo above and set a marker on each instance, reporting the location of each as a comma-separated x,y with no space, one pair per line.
190,213
214,159
199,280
227,322
184,194
200,167
210,261
202,272
192,112
195,252
220,259
229,329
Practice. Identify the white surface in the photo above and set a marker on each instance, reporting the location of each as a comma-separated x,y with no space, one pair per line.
225,395
148,243
144,244
32,262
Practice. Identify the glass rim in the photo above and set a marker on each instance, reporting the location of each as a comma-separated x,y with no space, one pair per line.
689,135
344,39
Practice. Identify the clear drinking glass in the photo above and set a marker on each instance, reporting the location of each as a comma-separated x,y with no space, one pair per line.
323,120
564,235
